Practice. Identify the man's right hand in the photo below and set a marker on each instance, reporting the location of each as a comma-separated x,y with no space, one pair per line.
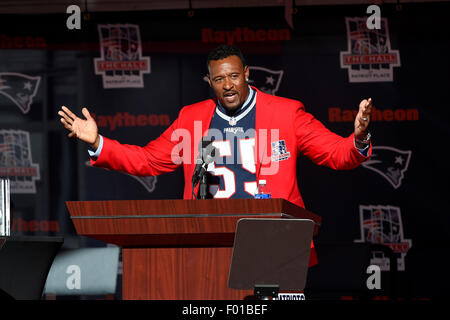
84,129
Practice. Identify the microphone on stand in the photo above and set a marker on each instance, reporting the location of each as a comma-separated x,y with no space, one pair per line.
206,156
203,167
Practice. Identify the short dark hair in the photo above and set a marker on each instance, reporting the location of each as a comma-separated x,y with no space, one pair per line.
224,51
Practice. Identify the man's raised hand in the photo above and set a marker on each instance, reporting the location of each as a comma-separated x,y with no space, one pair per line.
84,129
362,119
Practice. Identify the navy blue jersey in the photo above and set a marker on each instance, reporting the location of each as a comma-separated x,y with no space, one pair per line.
233,173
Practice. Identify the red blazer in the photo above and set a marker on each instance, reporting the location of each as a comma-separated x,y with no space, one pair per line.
277,119
301,132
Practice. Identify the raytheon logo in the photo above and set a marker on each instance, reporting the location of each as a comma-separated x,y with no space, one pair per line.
21,225
244,35
130,120
348,115
20,42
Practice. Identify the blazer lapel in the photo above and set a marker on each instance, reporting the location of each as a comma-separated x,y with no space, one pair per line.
207,116
263,121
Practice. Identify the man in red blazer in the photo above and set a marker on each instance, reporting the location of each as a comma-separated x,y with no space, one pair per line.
276,131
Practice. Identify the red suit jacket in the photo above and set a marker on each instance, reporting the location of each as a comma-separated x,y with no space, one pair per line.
277,119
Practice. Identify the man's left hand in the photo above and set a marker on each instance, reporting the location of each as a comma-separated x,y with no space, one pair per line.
362,119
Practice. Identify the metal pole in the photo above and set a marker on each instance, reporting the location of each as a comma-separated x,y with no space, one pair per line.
5,223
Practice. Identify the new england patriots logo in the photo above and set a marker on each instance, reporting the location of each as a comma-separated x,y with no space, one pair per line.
19,88
266,80
149,182
390,163
279,151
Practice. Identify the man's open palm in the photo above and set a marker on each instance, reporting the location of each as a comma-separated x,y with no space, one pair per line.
84,129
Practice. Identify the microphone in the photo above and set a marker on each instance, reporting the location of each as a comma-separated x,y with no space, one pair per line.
203,144
209,158
206,156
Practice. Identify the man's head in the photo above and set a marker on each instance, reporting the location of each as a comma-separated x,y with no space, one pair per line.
228,76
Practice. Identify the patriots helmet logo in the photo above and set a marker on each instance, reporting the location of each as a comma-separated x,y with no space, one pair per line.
19,88
390,163
266,80
148,182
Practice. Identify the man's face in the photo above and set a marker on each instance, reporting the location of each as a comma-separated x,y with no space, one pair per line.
228,79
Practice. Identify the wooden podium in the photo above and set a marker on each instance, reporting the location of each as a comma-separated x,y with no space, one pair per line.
176,249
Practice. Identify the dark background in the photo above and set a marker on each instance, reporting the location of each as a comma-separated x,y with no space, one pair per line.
312,74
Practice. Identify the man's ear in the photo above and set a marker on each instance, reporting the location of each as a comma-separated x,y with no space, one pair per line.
246,73
209,80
